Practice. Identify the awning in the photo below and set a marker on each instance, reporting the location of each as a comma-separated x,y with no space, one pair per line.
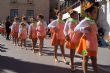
67,15
78,9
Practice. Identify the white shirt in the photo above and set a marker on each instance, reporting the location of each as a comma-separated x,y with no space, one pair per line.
12,26
81,26
27,25
53,24
30,28
67,26
42,23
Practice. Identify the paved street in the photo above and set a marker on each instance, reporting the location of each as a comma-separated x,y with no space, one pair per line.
13,59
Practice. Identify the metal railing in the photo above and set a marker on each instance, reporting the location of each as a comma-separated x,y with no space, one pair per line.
70,4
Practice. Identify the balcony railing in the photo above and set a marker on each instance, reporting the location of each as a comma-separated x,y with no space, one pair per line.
71,4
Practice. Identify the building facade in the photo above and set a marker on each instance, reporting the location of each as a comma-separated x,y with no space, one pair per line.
29,8
54,5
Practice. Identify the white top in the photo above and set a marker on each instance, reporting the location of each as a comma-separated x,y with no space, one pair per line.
2,25
29,28
42,23
53,24
81,26
27,25
84,24
12,26
68,25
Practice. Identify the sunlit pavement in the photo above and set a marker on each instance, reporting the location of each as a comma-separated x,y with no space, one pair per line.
13,59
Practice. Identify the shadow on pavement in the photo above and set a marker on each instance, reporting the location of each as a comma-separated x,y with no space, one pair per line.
2,48
18,66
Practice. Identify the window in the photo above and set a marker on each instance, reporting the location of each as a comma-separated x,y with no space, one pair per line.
30,1
13,13
30,13
13,1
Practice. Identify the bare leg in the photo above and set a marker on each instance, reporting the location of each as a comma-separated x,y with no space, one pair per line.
21,43
63,53
85,64
94,64
40,46
32,44
18,41
25,43
72,53
13,39
55,53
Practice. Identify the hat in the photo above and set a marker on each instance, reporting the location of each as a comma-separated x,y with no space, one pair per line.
71,11
87,5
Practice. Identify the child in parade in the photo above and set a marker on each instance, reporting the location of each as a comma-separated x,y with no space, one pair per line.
69,32
15,30
88,28
24,21
41,31
33,33
58,38
3,28
23,34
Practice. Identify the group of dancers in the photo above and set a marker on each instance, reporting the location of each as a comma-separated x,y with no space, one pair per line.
78,36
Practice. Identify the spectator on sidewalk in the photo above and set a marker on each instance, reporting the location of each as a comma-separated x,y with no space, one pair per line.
8,30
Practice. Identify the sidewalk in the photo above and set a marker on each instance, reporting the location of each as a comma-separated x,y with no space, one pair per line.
104,59
13,59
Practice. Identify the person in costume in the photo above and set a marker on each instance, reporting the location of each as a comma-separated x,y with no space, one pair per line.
86,33
41,31
23,35
24,21
15,30
3,28
58,38
33,33
69,32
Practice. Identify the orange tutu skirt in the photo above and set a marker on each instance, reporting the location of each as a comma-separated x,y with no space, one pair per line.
82,48
69,45
55,41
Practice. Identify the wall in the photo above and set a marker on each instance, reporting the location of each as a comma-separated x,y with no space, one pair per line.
39,6
104,16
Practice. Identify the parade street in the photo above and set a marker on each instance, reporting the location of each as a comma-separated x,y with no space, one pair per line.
13,59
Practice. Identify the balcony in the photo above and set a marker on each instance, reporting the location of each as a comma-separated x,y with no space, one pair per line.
68,4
